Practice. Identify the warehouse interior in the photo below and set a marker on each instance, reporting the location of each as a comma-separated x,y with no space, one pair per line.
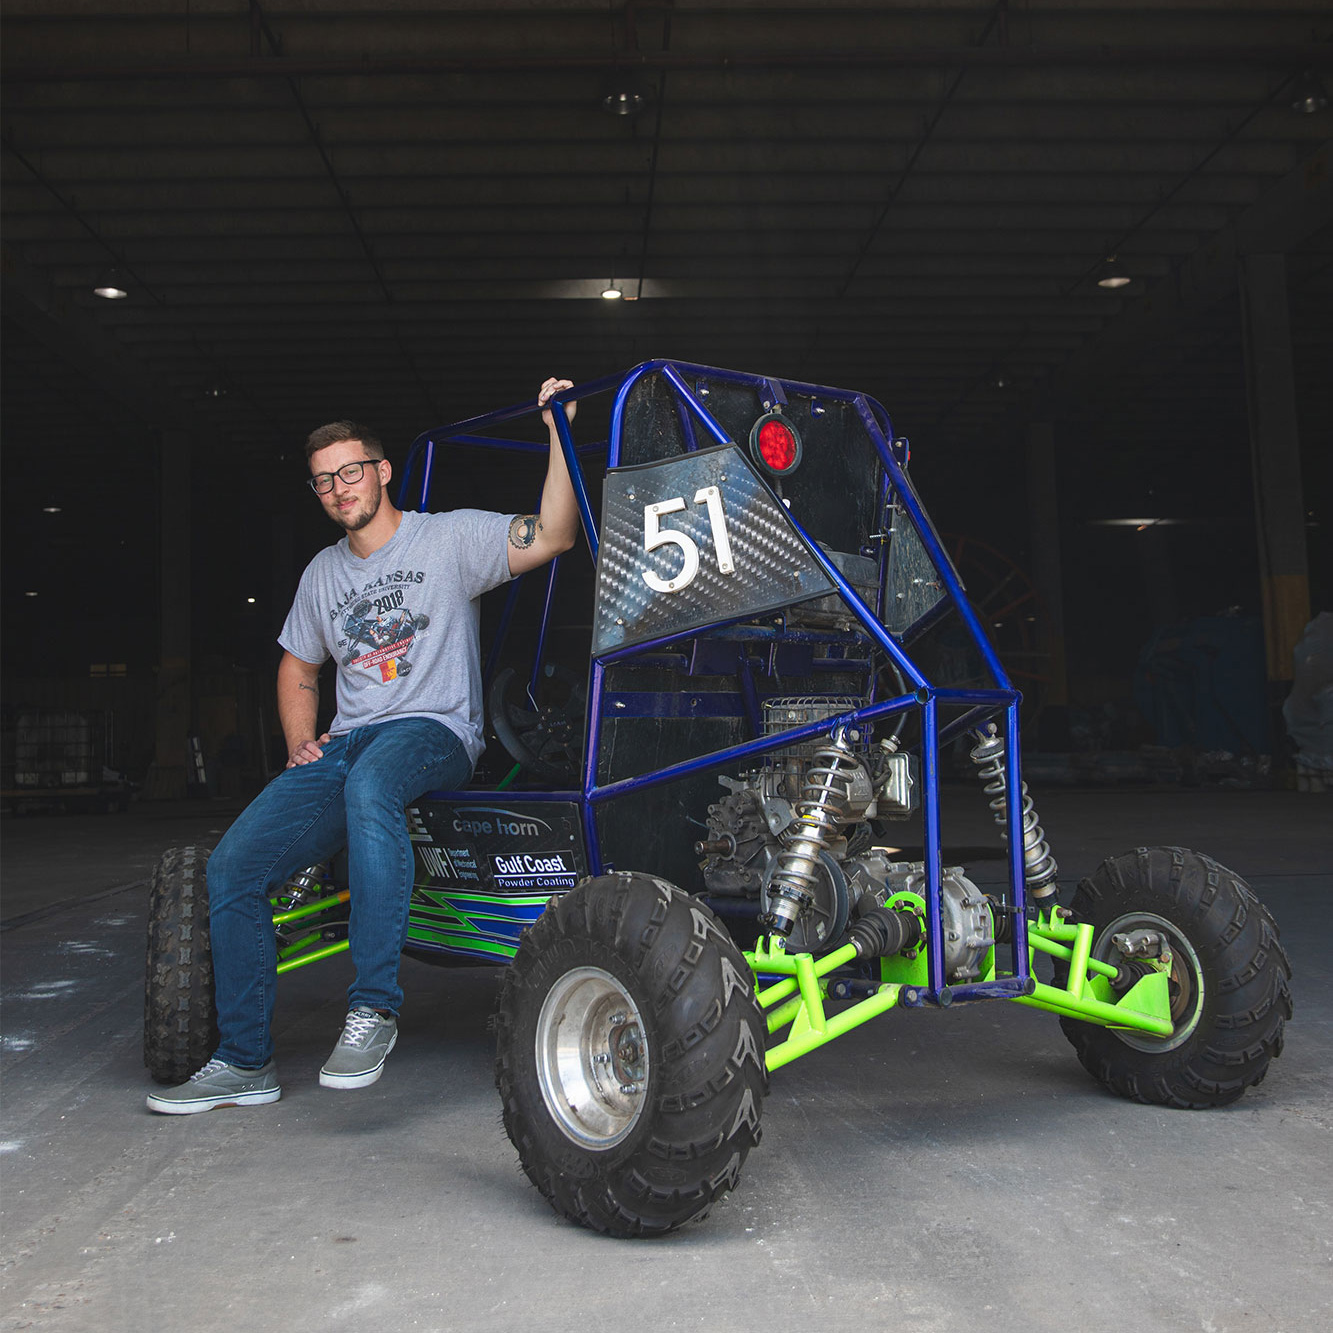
1082,253
407,215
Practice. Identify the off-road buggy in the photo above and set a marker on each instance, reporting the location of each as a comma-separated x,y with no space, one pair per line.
690,869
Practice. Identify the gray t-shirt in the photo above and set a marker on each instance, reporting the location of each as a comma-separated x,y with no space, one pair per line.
404,625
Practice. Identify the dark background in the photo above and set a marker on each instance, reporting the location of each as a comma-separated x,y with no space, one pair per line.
406,215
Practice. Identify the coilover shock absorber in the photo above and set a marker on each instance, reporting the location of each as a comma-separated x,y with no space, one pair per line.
825,797
301,886
1039,867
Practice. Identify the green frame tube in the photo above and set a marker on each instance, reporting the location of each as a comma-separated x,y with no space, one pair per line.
314,956
1044,944
1105,1014
311,909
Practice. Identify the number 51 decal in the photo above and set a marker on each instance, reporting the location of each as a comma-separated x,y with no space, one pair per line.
654,535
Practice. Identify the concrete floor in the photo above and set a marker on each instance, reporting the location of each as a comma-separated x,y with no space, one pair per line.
929,1172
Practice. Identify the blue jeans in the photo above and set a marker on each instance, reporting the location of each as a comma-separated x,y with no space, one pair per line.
362,784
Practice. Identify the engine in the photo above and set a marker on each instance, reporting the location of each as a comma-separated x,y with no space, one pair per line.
796,836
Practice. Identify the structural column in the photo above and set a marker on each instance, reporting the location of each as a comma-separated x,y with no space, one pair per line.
167,777
1276,462
1047,577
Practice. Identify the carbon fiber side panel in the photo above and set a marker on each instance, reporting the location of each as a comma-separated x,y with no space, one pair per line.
915,586
914,583
773,566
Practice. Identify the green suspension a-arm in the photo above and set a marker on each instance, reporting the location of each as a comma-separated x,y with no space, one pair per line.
797,1001
310,947
1088,993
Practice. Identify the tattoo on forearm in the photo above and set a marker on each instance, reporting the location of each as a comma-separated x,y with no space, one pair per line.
301,685
523,530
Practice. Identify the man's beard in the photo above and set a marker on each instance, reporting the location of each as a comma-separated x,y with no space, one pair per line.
354,523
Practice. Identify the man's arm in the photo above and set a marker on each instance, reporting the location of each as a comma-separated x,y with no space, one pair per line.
298,707
536,538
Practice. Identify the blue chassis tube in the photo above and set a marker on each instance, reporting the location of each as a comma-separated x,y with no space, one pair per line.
979,705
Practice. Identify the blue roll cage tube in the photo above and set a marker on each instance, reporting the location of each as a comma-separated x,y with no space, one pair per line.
979,704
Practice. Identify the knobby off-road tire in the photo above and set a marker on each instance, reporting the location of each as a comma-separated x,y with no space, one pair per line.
1230,993
629,1056
180,1030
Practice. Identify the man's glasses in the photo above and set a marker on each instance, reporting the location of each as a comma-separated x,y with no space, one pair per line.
322,482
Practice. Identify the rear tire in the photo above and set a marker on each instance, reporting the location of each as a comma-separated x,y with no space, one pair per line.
629,1056
180,1023
1230,992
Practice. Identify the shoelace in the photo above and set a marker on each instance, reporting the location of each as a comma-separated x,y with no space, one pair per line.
214,1066
360,1024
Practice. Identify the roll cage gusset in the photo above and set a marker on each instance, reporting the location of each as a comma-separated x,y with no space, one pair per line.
945,712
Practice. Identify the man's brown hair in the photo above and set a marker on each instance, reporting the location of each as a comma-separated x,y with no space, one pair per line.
338,431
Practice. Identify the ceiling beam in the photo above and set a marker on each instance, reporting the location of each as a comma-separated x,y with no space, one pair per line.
1294,56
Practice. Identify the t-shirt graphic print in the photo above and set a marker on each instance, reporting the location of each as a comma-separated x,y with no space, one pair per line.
379,633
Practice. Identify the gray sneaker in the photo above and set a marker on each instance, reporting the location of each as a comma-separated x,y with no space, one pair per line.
358,1058
218,1084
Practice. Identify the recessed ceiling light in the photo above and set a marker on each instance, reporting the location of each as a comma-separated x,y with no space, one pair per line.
1111,275
1137,523
625,93
623,103
1307,94
111,285
50,509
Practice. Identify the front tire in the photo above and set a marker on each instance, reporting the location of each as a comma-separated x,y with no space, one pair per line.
629,1056
180,1030
1229,987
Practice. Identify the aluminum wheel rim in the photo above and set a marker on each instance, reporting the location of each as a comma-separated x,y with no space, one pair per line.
1186,983
592,1058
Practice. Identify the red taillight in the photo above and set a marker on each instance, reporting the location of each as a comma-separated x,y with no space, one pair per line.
775,443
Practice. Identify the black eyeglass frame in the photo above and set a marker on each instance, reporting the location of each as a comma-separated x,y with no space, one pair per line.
314,481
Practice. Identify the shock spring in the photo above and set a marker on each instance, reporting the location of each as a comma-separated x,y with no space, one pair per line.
825,797
1039,867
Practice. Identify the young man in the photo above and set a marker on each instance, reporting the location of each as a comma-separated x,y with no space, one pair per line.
395,604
